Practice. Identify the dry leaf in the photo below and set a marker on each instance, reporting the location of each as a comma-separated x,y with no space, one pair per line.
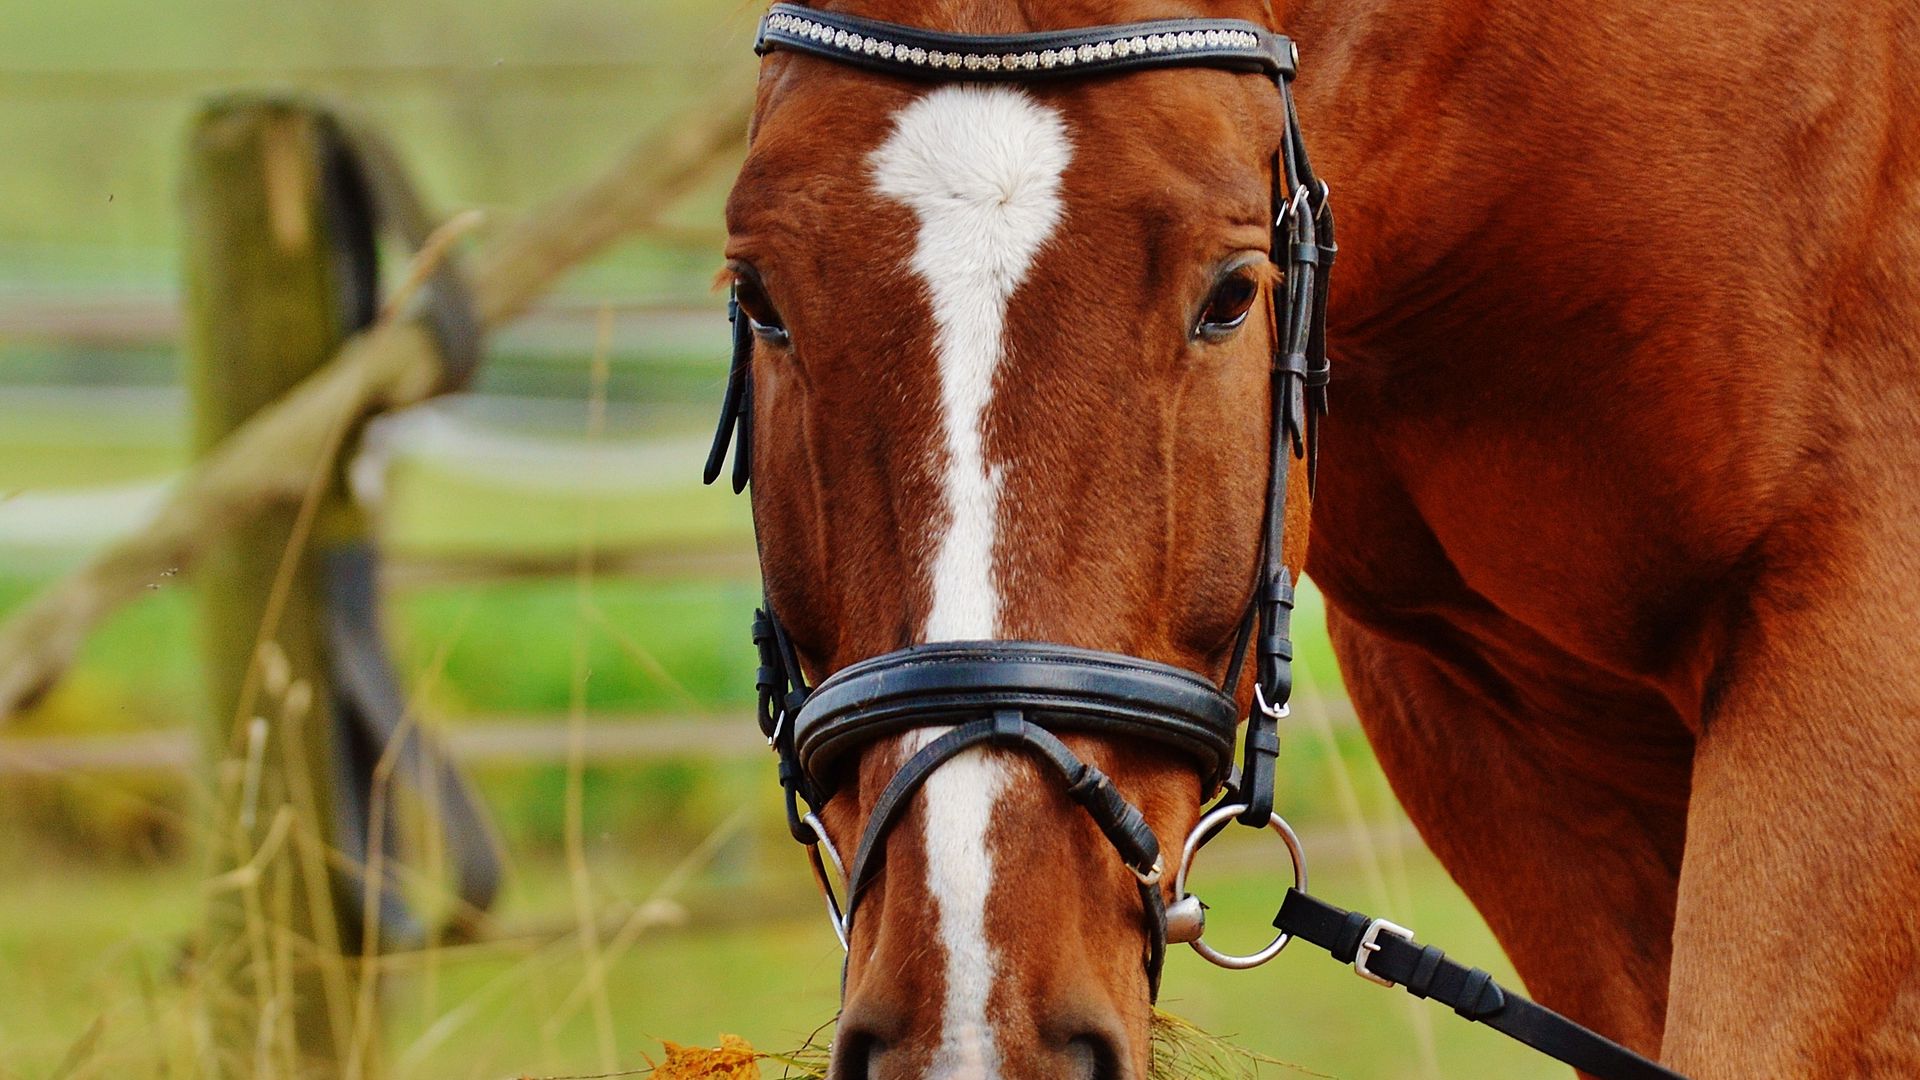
735,1060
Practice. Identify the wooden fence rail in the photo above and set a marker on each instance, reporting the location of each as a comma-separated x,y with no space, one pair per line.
485,741
293,349
480,740
270,460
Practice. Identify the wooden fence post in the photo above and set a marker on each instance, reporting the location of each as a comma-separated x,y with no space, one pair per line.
394,364
278,274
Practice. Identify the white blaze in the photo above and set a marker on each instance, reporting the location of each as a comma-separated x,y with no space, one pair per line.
980,167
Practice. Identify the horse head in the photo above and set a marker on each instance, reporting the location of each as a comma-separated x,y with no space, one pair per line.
1007,383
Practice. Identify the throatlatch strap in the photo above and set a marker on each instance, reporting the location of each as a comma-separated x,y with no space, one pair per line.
1426,972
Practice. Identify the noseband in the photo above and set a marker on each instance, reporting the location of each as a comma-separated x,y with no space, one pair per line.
1019,695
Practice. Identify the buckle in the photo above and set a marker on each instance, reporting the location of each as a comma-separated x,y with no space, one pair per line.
1294,205
1370,944
1273,712
1151,877
1187,916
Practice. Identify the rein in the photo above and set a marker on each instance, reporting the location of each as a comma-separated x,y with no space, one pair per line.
1018,695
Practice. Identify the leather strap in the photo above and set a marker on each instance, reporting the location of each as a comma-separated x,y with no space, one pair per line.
898,49
1118,820
366,197
1426,972
736,408
1059,686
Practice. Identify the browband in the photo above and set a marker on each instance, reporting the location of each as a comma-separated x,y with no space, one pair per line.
908,50
1059,687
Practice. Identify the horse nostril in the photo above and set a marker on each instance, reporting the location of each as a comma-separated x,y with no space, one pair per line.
1092,1056
853,1053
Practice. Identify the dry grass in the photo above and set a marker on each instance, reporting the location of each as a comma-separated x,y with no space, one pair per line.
1181,1051
265,992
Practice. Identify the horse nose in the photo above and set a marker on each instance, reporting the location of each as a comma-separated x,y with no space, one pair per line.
871,1036
1093,1056
859,1056
853,1054
873,1045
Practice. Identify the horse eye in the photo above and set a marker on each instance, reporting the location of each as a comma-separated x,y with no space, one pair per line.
1227,308
760,312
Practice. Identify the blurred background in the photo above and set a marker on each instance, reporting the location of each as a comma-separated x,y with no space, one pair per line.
567,608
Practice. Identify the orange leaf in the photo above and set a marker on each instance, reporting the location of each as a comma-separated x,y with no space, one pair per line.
734,1060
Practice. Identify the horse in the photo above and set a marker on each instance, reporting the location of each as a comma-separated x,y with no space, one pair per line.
1614,512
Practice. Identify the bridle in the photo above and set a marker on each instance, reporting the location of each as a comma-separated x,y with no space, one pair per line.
1017,695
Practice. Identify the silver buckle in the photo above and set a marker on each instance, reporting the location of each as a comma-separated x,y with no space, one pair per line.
1294,205
1153,876
1275,712
1370,944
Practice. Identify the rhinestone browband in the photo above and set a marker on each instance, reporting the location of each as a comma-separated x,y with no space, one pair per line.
1227,43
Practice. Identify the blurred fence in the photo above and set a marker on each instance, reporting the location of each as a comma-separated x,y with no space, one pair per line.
473,740
498,104
293,345
518,76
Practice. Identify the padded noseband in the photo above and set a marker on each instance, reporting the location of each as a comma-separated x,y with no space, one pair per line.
1058,687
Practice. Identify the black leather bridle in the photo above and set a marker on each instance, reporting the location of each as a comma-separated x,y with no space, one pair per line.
1018,694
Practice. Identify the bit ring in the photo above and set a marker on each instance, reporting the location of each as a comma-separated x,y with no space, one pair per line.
1205,831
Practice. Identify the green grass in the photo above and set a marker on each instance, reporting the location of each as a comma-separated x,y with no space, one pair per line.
95,98
438,512
506,647
80,944
71,443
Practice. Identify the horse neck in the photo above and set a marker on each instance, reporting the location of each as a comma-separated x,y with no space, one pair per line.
1473,144
1568,283
1417,113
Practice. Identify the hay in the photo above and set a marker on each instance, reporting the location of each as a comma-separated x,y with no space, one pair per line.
1180,1051
733,1060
